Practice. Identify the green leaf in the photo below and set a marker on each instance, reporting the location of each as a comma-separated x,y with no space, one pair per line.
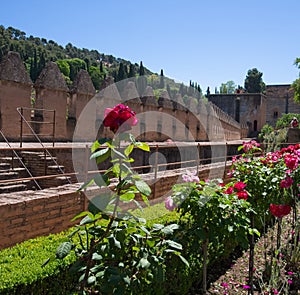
97,144
99,153
143,146
99,203
169,229
145,230
117,243
91,280
127,197
101,180
117,153
144,263
128,150
184,260
126,280
230,228
86,184
157,226
63,250
143,187
80,215
86,220
151,243
96,256
174,244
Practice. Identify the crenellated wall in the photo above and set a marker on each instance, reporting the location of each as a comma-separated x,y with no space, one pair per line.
159,119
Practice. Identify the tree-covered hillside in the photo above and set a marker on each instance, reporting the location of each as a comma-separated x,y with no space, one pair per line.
36,52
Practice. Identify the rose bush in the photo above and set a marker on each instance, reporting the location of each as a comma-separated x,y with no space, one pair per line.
272,184
117,252
215,212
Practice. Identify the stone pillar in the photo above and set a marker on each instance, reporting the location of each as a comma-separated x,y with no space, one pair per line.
51,94
82,108
15,91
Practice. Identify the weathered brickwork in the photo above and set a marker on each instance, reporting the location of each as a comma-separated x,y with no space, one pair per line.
30,214
60,107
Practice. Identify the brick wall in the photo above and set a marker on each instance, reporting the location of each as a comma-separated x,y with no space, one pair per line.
30,214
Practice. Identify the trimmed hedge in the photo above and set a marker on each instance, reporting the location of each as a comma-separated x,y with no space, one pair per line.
22,271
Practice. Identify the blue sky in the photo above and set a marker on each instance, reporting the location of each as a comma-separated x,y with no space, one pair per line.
210,42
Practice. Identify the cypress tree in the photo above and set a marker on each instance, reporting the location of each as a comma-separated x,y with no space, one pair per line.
101,66
121,73
162,80
131,71
142,70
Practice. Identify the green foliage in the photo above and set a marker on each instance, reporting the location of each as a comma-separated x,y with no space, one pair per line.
228,87
285,120
296,88
64,67
253,82
22,270
117,252
96,75
265,131
296,83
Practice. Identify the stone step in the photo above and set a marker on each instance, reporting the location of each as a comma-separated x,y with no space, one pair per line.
55,169
21,172
12,188
13,161
5,166
11,183
8,175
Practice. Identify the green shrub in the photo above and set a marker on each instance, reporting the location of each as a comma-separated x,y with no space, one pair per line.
22,271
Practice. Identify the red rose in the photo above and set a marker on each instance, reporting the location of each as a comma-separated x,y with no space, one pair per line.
242,195
240,185
291,161
286,183
229,190
121,118
280,210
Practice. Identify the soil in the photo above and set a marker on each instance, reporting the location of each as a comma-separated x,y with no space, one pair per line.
230,276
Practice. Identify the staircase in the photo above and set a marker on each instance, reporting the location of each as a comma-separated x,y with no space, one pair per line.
41,164
10,170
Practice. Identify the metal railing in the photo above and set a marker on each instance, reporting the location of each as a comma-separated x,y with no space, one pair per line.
27,123
153,169
22,163
46,152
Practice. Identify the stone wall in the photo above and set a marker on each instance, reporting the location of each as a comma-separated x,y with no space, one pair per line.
249,109
160,119
280,101
30,214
